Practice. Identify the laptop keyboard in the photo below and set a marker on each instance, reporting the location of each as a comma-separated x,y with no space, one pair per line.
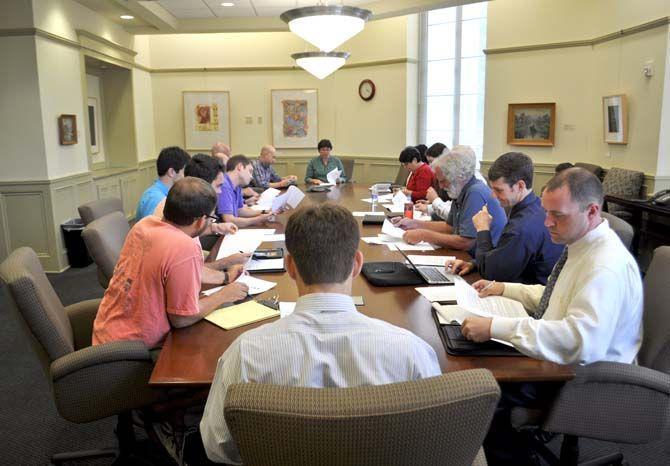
435,274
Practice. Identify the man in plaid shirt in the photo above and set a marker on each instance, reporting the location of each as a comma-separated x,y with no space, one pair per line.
264,176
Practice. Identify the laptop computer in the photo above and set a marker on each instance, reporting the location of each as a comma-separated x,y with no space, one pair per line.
431,274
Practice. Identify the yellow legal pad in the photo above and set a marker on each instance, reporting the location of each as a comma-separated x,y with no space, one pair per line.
241,314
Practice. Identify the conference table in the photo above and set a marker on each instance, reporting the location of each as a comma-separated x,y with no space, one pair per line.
189,355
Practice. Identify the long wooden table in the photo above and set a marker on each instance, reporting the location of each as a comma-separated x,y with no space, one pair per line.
189,355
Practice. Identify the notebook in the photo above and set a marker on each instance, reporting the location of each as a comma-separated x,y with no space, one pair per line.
241,314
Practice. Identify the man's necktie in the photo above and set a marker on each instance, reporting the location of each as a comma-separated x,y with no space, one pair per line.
544,301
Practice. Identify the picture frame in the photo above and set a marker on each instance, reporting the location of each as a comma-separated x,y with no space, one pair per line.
67,129
531,124
295,118
206,119
93,125
615,119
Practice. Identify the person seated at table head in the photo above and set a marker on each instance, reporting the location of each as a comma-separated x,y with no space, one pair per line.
325,342
156,283
589,311
230,207
525,252
420,174
264,175
319,167
170,167
455,173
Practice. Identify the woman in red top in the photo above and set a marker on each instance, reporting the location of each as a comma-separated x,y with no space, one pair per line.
420,176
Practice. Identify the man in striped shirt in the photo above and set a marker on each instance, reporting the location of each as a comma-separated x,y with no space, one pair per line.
325,342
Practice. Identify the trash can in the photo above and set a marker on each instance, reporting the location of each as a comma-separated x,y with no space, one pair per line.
77,254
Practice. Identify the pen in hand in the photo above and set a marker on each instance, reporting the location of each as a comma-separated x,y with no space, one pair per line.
487,286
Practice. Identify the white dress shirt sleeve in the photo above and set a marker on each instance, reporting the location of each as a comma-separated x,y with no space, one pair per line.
439,207
425,361
216,438
528,295
584,333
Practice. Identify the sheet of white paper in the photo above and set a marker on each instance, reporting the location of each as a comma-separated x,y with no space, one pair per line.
256,285
389,229
448,313
243,240
294,196
420,216
278,237
264,264
279,202
430,260
368,200
422,246
333,175
385,198
438,293
372,240
399,198
211,291
262,231
259,208
266,197
326,185
286,308
490,306
363,214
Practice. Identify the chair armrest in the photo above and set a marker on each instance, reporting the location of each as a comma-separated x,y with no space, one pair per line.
99,355
81,317
614,402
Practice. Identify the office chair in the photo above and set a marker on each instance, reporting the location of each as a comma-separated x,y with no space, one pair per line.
348,165
622,228
88,382
622,182
97,209
611,401
435,421
104,239
401,177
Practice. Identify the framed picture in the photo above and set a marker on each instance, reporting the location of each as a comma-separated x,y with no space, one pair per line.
531,124
67,129
93,125
206,119
295,121
615,119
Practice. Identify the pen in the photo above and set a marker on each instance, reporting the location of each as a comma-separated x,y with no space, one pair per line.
487,286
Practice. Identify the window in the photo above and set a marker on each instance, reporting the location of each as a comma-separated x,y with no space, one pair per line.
452,75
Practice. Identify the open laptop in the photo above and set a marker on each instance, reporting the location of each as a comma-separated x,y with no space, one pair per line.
432,274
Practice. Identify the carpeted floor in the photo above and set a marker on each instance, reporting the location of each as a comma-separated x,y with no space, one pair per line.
32,431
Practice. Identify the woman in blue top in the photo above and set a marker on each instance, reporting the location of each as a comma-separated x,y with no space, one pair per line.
320,166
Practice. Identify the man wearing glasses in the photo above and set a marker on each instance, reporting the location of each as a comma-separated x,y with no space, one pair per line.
156,283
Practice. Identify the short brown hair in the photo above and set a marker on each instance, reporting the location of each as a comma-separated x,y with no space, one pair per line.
323,240
584,187
189,199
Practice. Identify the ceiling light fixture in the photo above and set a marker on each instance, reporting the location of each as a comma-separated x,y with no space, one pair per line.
326,27
227,4
320,64
127,17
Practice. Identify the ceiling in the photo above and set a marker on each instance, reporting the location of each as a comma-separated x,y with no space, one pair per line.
190,16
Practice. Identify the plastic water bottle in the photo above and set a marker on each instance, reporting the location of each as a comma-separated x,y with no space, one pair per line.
374,196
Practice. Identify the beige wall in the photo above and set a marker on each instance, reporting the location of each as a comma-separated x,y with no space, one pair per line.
577,78
144,115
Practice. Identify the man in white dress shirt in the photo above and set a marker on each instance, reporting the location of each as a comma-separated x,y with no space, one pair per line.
325,342
590,310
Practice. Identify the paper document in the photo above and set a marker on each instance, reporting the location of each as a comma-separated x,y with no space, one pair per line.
389,229
385,198
267,196
430,260
422,246
400,198
333,175
438,293
256,265
372,240
286,308
278,237
363,214
241,314
292,197
490,306
256,285
449,313
242,241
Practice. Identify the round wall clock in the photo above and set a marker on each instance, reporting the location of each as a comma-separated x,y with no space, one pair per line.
366,89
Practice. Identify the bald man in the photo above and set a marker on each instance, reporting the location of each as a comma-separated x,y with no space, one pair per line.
264,176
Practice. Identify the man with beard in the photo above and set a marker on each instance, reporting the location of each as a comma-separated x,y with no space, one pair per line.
156,283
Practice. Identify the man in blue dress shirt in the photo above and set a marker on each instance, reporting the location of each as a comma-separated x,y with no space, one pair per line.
525,252
455,172
170,167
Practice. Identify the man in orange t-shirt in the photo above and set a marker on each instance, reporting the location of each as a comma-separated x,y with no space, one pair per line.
156,283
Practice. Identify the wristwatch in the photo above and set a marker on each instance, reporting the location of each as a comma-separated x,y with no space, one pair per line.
226,278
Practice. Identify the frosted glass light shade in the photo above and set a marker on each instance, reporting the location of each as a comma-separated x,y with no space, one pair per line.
326,27
320,64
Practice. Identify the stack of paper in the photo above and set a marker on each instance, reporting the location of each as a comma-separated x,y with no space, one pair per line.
265,200
241,314
291,198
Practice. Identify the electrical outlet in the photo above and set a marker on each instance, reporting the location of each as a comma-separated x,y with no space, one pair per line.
608,154
248,120
648,69
260,120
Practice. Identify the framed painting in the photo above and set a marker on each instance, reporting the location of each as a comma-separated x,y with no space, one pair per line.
295,118
93,125
67,129
615,119
531,124
206,119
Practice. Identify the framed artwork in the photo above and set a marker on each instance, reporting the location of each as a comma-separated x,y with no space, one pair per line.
615,119
93,125
295,118
531,124
67,129
206,119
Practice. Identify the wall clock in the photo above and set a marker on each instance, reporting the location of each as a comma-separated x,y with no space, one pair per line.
366,89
